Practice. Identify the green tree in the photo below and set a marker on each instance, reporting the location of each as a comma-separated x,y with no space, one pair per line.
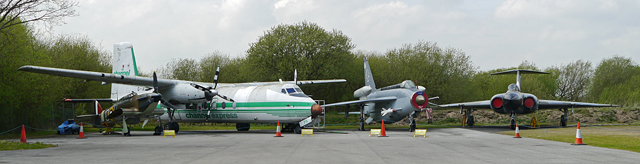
315,52
613,80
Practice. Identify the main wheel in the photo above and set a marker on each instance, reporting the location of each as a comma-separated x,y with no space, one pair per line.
297,130
563,120
243,126
158,130
471,121
361,126
175,126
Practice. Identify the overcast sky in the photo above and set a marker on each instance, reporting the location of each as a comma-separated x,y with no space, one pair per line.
495,34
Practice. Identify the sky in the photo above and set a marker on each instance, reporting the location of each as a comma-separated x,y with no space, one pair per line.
493,33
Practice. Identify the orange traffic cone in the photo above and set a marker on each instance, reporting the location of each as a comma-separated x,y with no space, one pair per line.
517,132
382,132
81,134
23,136
278,134
578,137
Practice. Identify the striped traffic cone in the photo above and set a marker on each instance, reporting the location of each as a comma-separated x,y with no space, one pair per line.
578,137
278,134
81,134
382,132
23,136
517,132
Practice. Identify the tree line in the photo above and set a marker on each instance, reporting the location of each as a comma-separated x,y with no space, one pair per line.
315,52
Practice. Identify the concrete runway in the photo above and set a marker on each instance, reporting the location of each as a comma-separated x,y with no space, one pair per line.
447,145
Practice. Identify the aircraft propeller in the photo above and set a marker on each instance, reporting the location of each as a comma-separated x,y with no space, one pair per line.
210,92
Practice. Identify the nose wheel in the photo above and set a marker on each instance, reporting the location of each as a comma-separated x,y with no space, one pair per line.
513,121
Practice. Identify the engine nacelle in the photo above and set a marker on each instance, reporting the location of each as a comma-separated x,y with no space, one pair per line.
185,93
364,91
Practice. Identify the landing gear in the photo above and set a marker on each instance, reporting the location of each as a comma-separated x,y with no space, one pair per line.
297,130
158,130
125,128
361,128
469,118
243,126
513,121
172,126
563,118
412,125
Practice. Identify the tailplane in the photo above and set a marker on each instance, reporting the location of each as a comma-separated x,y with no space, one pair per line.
518,72
124,63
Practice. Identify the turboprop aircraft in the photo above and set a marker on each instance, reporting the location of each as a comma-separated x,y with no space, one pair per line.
189,101
391,104
514,102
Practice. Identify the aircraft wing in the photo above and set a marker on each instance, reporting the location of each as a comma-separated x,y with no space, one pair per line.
551,104
304,82
391,98
470,105
97,76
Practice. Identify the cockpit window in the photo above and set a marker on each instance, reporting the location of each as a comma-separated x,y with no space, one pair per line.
284,91
513,87
409,84
291,90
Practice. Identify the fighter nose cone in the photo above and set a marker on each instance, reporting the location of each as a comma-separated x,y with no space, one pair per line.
316,110
420,100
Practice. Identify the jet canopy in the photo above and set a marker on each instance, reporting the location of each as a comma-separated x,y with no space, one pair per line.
513,87
405,84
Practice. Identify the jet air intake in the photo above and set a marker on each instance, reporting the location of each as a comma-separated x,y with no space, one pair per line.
420,100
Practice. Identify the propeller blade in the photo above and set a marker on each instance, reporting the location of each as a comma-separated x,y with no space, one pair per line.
155,82
215,78
171,108
295,76
433,98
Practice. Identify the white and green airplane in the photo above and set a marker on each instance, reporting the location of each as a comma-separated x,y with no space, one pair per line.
189,101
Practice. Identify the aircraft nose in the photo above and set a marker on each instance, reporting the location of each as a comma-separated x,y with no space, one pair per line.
316,110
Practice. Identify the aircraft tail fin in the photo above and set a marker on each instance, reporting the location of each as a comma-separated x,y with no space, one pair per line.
124,63
96,107
368,77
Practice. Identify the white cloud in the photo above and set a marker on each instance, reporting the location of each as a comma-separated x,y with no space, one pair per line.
494,33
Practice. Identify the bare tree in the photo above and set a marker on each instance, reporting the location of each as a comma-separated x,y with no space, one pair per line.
51,12
573,80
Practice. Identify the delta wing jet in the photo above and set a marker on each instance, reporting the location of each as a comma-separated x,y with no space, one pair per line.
391,104
189,101
514,102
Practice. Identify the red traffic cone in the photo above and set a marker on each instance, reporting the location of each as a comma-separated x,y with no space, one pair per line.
578,137
517,132
278,134
23,136
382,132
81,134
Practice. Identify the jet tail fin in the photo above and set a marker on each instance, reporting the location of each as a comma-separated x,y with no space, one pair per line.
124,63
368,76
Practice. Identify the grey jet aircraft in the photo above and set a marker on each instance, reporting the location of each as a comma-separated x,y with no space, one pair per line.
391,104
514,102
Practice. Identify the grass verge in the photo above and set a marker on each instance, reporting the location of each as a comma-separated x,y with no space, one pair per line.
10,145
615,137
